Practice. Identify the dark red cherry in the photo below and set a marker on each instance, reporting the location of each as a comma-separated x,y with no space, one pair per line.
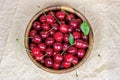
62,22
58,36
85,38
39,57
45,26
81,44
58,58
56,65
54,53
49,41
65,46
72,50
60,15
66,64
57,46
43,34
74,23
68,57
55,26
52,32
32,33
76,34
75,61
32,45
50,19
35,51
81,53
66,38
49,52
70,17
36,25
37,39
42,46
70,29
63,28
48,62
43,19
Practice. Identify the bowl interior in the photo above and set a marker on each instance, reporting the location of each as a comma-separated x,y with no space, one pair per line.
68,9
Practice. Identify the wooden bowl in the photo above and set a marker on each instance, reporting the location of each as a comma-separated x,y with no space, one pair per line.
68,9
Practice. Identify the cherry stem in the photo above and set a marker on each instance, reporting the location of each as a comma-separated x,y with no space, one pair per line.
19,41
42,11
66,49
66,13
56,19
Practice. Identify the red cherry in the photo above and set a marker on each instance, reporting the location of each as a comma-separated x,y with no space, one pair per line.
79,21
43,34
56,65
63,28
62,22
74,23
70,17
75,61
55,26
85,38
32,33
49,41
32,45
70,29
78,29
72,50
69,57
60,15
45,26
57,46
81,44
43,18
65,46
81,53
50,19
39,57
37,39
58,36
42,46
42,61
76,34
35,51
54,53
49,52
58,58
52,32
66,38
48,62
36,25
66,64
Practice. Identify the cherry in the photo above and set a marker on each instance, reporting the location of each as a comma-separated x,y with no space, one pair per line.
70,17
72,50
43,34
50,19
69,57
76,34
48,62
55,26
42,46
54,53
60,15
39,57
36,25
49,52
62,22
32,45
42,61
74,23
81,44
52,32
56,65
45,26
66,38
78,29
58,58
81,53
35,51
66,64
65,45
85,38
43,18
49,41
32,33
37,39
70,29
58,36
57,46
63,28
50,13
75,61
79,21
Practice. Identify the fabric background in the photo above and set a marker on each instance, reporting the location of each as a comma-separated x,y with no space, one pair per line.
104,17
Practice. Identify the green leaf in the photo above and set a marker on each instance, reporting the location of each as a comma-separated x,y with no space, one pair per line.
85,28
71,39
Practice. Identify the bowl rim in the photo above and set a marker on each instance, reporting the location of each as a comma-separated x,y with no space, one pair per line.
71,10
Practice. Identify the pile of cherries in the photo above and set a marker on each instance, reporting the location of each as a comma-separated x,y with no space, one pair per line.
49,40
